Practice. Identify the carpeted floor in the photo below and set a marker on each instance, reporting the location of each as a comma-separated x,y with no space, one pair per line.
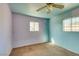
45,49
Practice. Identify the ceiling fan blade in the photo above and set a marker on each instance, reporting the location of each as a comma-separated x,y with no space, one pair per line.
58,6
41,8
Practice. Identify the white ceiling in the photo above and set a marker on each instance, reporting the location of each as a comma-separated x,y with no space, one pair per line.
30,9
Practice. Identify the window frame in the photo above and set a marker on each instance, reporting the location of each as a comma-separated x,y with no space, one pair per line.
74,24
34,26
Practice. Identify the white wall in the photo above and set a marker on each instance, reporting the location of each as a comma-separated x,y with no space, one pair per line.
5,29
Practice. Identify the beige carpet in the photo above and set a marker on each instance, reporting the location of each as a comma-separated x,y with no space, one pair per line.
45,49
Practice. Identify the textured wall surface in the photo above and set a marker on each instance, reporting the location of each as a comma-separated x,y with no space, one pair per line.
21,31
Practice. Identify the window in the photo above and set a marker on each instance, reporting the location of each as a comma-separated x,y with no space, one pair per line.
34,26
71,24
67,25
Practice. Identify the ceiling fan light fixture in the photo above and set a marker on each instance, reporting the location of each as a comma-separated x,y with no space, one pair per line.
50,6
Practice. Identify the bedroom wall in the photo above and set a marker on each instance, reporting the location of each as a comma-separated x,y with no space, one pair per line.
21,30
68,40
5,30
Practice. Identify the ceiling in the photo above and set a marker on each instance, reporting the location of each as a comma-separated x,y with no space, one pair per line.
30,9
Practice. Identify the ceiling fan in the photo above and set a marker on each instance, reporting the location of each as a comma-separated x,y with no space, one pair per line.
50,6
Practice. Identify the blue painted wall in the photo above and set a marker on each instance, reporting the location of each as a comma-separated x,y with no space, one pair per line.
68,40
